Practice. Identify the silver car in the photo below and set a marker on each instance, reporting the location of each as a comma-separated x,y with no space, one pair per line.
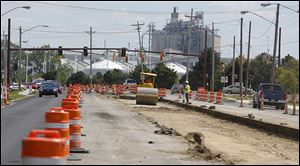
235,89
176,88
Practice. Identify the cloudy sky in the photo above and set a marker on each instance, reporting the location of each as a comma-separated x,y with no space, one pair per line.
68,22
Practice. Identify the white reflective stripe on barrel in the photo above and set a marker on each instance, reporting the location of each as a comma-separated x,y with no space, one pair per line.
72,122
57,125
44,161
75,137
68,142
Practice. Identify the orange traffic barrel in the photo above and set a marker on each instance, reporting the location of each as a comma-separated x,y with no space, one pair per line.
212,97
74,126
190,95
219,97
70,103
44,147
162,92
75,133
58,120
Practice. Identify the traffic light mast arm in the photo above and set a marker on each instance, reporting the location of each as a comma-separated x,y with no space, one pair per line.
73,49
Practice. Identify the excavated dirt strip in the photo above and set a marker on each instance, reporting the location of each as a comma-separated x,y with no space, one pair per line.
233,143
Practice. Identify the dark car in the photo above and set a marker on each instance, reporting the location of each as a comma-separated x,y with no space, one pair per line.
48,88
59,87
176,88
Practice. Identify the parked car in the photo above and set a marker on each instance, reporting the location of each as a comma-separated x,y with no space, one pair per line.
129,82
38,81
48,88
176,88
235,89
33,85
15,86
273,95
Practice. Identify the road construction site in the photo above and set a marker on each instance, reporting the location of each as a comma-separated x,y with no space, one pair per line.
126,133
115,130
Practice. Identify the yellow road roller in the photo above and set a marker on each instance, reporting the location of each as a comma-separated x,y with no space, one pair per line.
146,93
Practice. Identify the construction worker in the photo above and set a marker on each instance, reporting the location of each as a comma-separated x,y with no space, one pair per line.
187,90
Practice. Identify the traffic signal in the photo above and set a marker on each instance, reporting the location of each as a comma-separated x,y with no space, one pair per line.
85,52
123,52
126,59
161,55
60,51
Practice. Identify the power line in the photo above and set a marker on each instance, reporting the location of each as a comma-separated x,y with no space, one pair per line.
131,11
99,9
255,37
74,32
289,42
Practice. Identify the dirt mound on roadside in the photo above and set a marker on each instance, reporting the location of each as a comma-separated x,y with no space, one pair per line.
198,150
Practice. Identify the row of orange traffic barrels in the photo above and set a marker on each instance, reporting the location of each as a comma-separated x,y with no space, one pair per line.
62,133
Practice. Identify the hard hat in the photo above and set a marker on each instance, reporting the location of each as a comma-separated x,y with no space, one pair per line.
187,82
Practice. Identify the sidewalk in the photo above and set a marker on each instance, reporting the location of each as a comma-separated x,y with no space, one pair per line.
269,115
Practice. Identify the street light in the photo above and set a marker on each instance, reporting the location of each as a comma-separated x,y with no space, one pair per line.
268,4
276,31
24,7
275,38
246,11
20,49
26,41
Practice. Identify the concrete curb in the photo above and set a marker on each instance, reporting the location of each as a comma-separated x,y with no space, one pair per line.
283,131
127,97
26,97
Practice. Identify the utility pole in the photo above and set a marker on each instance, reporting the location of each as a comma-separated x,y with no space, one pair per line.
26,71
248,59
91,37
279,48
233,63
205,60
268,45
20,53
5,58
275,45
241,63
213,59
138,28
8,58
189,46
150,26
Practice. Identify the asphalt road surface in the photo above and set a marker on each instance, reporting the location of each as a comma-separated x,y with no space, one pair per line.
18,119
116,135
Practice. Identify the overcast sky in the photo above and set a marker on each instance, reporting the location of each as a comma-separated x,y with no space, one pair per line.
117,17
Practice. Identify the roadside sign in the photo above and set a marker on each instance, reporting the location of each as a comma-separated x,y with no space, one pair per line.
224,79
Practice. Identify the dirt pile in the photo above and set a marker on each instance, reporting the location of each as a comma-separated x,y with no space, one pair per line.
199,150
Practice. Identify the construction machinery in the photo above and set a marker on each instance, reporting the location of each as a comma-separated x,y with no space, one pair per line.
146,93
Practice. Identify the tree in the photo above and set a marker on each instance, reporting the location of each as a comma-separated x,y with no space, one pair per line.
98,78
135,74
261,68
228,70
63,73
196,74
288,75
78,78
114,77
165,76
50,75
